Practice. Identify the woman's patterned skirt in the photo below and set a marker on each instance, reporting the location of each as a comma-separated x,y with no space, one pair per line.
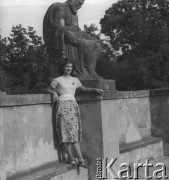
68,121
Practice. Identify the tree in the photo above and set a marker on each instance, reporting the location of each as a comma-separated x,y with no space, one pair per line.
25,61
91,30
3,51
140,28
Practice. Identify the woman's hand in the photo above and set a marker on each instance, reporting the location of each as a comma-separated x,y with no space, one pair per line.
54,94
95,90
99,91
55,97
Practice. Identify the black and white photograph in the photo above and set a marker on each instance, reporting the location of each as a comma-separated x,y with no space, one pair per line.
84,89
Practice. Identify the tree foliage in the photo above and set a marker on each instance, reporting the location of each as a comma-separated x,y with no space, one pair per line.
24,62
140,29
91,30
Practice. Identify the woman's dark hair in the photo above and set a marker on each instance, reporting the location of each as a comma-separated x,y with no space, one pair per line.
63,63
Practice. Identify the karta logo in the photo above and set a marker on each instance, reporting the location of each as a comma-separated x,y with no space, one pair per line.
126,171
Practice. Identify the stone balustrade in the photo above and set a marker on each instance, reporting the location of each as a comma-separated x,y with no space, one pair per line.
27,134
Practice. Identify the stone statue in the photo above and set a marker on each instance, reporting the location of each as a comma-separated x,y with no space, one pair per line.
64,39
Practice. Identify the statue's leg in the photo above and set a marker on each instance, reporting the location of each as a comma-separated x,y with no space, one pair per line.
91,53
76,55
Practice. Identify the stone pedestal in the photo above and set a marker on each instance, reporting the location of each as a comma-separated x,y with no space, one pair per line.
2,153
100,126
2,93
101,83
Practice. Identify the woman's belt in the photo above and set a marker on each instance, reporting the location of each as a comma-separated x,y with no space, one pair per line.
66,97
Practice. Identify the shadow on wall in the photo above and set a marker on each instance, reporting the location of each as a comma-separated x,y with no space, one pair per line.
159,108
58,146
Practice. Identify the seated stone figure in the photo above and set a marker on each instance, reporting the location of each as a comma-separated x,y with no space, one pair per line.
64,39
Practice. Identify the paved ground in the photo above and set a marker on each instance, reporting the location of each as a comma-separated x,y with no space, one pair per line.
163,171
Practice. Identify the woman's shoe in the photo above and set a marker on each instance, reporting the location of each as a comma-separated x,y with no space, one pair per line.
73,162
82,163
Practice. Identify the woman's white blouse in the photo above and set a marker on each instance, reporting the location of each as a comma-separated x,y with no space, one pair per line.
66,86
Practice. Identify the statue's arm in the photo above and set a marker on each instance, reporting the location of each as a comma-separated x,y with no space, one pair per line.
68,30
59,18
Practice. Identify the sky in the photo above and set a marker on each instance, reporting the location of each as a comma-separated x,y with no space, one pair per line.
31,13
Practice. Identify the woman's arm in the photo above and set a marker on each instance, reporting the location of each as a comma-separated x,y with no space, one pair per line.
54,94
87,89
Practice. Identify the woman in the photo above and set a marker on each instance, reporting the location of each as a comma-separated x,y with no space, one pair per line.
68,122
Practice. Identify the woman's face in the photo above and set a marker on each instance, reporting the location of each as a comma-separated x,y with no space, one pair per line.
68,69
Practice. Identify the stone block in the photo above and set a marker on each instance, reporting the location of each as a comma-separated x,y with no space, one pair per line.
159,109
133,118
148,148
166,149
100,132
2,149
159,92
28,136
72,175
25,99
138,94
2,93
54,171
102,84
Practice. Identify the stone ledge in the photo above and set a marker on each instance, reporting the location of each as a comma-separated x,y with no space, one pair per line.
138,144
130,94
45,172
35,99
104,84
159,92
113,94
2,93
141,93
23,100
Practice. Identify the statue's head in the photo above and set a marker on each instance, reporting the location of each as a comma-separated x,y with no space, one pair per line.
75,4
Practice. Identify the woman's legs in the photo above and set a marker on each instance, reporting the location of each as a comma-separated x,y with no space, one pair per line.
78,151
67,147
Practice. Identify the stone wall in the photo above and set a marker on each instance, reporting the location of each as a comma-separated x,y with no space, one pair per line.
26,125
134,117
2,150
159,108
133,114
28,132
